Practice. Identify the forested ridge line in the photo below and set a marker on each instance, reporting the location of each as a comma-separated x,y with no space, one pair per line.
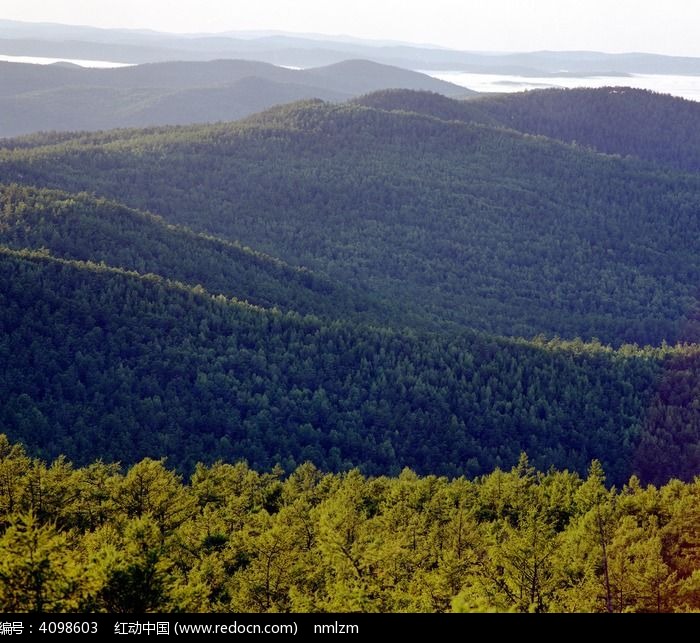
85,228
454,224
614,120
106,539
102,362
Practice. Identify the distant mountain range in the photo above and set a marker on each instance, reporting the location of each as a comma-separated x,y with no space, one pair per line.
67,97
52,40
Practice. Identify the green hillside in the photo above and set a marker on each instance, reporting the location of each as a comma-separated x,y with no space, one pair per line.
430,104
77,226
233,540
99,362
457,225
319,327
614,120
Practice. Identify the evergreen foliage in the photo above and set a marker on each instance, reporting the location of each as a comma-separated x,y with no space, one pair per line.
101,362
231,539
456,225
76,226
615,120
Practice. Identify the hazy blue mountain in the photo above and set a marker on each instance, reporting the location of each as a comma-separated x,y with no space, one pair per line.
61,98
305,51
353,76
98,108
350,77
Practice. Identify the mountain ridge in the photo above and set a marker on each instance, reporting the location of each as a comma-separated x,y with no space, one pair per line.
613,120
456,224
297,50
114,351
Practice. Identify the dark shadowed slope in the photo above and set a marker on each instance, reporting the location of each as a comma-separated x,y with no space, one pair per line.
428,104
77,226
616,120
98,362
452,224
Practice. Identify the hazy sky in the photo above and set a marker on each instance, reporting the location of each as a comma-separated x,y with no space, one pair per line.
659,26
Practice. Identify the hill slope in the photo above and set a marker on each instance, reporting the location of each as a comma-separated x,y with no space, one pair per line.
100,362
96,108
79,227
430,104
615,120
456,224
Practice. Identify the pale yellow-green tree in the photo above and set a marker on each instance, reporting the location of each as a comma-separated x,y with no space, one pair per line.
42,569
14,467
150,489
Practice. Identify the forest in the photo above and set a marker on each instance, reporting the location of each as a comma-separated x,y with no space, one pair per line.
405,353
104,538
77,226
615,120
94,354
456,225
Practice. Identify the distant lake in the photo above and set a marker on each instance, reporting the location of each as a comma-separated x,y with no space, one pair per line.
40,60
683,86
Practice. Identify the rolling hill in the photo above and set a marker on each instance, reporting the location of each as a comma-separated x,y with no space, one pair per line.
96,108
61,98
614,120
76,226
453,224
101,362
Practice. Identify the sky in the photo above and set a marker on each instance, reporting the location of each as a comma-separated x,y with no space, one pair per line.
658,26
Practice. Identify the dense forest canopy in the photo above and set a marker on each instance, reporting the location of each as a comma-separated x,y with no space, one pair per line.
406,224
104,539
615,120
77,226
458,225
333,349
100,362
